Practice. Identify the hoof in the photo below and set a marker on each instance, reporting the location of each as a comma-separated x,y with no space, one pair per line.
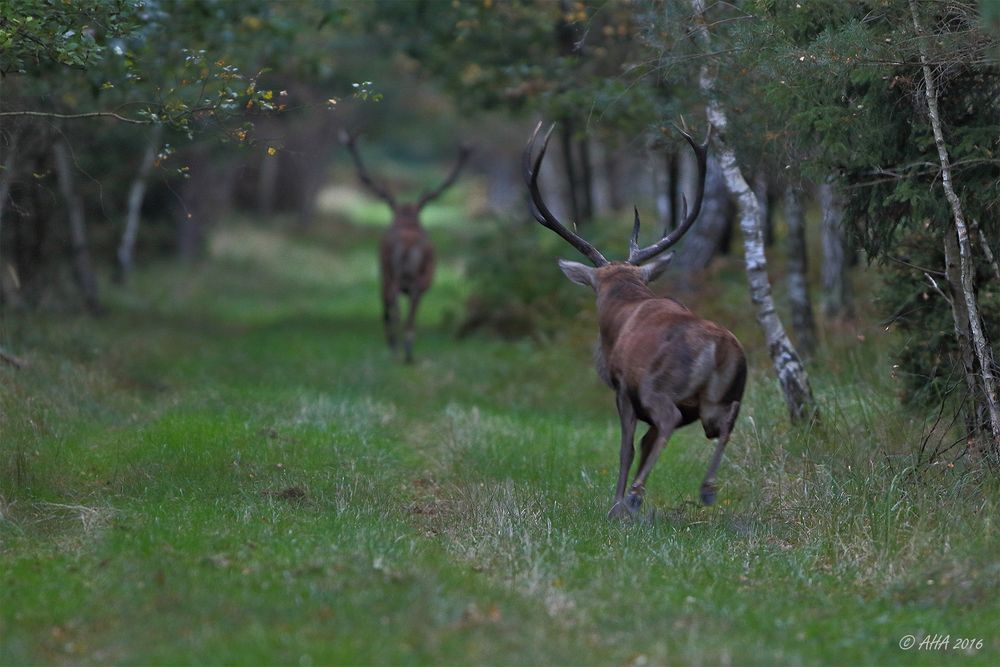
708,494
633,502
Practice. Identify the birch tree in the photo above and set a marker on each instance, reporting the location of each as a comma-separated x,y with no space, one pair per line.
136,194
785,358
981,347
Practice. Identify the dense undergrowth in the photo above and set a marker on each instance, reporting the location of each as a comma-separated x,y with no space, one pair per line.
229,468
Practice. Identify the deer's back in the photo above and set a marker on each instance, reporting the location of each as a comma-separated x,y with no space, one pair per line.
667,351
407,258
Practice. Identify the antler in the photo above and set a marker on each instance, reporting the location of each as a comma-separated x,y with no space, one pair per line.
427,197
541,211
637,255
380,191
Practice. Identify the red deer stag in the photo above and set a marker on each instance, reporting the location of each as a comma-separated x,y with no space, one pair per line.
667,366
406,256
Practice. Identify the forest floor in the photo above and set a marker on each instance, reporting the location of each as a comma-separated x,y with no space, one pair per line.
230,468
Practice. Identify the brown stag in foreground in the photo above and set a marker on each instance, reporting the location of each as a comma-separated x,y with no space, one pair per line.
406,256
667,366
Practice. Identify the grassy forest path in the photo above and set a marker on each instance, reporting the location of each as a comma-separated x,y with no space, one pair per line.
230,468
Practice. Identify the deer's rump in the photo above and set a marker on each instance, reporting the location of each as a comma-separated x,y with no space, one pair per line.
693,363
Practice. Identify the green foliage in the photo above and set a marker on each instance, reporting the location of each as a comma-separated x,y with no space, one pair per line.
191,66
843,87
100,73
228,469
927,353
576,60
517,290
42,34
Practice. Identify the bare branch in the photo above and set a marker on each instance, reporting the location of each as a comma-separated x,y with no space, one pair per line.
77,116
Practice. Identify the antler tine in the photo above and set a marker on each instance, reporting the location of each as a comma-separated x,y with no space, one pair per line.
350,141
668,240
463,154
540,211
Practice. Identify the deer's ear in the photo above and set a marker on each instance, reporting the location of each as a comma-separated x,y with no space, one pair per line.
655,269
581,274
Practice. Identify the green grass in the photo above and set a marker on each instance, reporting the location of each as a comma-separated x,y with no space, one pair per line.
229,468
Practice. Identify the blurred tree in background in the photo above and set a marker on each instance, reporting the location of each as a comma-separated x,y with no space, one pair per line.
839,87
108,107
97,94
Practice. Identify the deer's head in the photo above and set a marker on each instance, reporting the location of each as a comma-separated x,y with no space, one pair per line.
404,213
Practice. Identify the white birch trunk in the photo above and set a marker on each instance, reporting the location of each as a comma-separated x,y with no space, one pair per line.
984,355
960,320
136,194
786,361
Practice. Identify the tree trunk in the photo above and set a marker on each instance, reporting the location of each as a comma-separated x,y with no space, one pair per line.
762,190
674,182
570,167
504,185
803,323
987,250
837,301
611,168
309,194
984,354
267,184
703,241
586,180
787,364
136,194
7,175
661,189
83,268
6,181
960,317
668,191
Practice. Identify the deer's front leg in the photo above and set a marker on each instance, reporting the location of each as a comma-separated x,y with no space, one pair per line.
626,413
390,317
410,323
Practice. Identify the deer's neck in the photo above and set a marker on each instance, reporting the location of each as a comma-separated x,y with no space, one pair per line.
615,306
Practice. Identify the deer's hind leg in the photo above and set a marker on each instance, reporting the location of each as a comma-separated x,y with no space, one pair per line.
725,429
626,413
390,316
665,417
